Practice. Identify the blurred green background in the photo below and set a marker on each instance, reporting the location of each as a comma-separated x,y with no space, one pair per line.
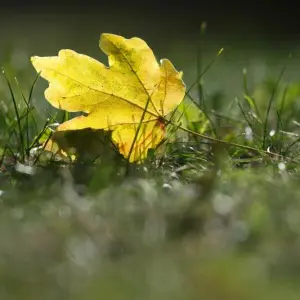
255,37
210,228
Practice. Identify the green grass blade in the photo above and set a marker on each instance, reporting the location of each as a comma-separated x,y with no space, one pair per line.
265,130
17,116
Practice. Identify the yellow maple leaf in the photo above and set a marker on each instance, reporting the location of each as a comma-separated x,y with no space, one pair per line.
131,97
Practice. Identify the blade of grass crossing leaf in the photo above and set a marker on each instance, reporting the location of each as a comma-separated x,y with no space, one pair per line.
136,133
145,146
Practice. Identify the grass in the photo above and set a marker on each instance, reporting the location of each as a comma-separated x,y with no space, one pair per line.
212,214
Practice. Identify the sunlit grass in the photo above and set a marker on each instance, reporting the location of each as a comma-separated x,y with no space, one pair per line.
211,218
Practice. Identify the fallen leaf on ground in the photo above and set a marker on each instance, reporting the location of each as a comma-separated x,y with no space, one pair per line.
131,97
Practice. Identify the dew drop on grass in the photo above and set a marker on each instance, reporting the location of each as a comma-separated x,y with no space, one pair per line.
281,166
248,133
223,204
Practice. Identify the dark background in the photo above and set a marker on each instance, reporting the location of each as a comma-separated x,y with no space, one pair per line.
256,35
269,17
